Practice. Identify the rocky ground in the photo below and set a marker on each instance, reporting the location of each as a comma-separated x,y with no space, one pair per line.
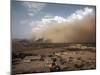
41,60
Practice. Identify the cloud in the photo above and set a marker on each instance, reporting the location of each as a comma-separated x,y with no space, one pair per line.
78,27
31,14
79,14
33,8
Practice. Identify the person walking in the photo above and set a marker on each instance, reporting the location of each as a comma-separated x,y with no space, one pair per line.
55,67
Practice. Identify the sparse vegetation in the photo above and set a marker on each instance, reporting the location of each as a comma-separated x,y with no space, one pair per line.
66,58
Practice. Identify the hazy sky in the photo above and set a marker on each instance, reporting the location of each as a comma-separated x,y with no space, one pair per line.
38,20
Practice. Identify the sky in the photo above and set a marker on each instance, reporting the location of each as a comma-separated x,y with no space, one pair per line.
52,21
